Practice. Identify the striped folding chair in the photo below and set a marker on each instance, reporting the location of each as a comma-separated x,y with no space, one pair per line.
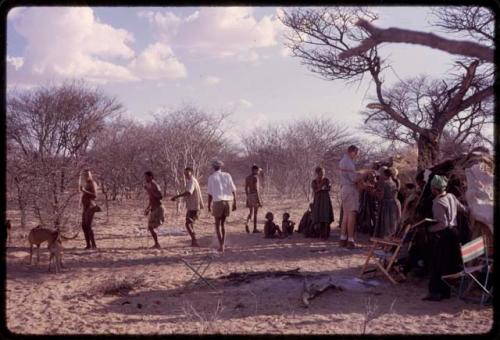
475,249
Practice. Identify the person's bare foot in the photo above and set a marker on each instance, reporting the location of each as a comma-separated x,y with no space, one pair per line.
194,244
221,249
255,231
246,228
156,246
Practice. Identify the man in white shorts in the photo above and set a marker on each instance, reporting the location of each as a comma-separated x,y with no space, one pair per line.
221,191
349,196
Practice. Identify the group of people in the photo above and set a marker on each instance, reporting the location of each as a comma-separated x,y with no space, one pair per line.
382,187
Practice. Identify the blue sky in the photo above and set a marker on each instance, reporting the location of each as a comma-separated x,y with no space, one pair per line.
230,59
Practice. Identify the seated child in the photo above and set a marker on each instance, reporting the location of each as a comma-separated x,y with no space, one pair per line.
270,228
287,225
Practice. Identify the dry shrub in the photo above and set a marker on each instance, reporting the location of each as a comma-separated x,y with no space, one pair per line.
206,322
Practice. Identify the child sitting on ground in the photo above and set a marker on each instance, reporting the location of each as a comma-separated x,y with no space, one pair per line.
270,228
287,225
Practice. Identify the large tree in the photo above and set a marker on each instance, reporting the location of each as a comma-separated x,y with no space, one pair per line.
336,44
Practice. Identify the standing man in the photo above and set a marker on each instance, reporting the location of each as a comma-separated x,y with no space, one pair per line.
155,208
349,196
221,191
194,203
253,197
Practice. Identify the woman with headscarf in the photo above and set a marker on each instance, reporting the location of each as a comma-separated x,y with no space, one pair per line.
389,216
445,247
322,211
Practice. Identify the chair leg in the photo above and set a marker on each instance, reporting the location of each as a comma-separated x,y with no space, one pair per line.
480,284
386,273
370,254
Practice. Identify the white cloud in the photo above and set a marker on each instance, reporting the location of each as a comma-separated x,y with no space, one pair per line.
286,52
71,42
16,62
239,104
250,56
241,125
217,31
245,103
211,80
157,61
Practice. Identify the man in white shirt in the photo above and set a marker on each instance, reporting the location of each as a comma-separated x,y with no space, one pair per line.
349,196
221,190
194,203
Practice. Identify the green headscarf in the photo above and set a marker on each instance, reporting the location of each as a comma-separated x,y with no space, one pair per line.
439,182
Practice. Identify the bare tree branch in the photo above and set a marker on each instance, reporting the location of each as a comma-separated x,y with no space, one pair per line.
397,35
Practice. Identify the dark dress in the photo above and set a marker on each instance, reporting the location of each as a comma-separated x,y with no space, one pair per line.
390,210
367,216
305,223
322,211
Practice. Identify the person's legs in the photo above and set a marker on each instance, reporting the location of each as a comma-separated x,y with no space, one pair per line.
218,232
191,216
190,230
155,237
90,231
85,228
223,230
351,222
435,284
91,237
249,217
255,210
343,228
154,222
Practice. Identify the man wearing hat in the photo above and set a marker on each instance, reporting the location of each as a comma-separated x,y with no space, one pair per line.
253,197
445,248
221,191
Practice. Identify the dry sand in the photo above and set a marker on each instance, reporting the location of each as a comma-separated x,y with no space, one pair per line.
163,301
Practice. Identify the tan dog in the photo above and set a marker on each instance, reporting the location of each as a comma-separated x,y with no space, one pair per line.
38,235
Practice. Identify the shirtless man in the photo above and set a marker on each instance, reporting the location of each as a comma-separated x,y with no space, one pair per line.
155,208
253,197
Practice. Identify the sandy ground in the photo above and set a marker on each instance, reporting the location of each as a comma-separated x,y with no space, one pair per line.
163,300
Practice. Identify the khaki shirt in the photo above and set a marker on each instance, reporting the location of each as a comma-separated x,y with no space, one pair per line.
194,201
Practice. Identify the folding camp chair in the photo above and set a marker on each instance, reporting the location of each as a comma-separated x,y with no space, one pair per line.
199,270
475,249
386,252
389,252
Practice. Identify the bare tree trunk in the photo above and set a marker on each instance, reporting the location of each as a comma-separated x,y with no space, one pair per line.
428,152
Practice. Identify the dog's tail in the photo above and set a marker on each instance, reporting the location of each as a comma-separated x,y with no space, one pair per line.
66,238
